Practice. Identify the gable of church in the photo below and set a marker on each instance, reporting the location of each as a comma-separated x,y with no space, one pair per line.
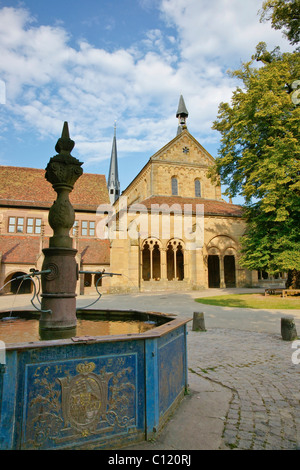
184,149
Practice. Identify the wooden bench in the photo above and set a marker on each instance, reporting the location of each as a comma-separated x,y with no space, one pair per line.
287,292
273,291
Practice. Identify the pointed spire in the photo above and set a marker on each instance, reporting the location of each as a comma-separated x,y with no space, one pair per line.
182,111
64,144
182,114
113,183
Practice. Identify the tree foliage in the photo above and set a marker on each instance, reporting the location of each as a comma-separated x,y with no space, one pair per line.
259,158
285,15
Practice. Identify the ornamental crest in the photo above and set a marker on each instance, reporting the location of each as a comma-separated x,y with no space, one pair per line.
84,398
79,401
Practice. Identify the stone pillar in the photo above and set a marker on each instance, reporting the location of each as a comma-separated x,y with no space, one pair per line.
288,329
222,274
59,286
163,261
175,262
198,322
151,261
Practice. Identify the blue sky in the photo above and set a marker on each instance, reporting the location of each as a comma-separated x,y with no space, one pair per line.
95,62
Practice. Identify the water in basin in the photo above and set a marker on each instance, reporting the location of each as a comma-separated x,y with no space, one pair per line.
25,327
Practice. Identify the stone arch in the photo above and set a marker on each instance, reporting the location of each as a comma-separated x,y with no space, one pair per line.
213,250
222,243
18,286
222,261
175,259
151,259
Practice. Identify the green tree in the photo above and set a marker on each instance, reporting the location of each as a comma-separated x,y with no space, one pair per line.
285,15
259,158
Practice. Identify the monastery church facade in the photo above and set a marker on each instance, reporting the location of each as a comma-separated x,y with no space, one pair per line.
170,229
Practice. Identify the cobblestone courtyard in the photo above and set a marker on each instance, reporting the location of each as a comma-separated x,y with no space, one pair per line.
264,411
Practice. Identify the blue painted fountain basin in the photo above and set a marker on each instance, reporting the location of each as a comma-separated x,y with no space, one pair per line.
92,392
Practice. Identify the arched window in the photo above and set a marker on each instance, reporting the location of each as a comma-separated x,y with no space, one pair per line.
151,260
179,262
175,261
170,263
174,184
197,188
156,262
146,262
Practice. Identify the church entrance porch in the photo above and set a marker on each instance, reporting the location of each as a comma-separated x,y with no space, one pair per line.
221,271
229,271
213,271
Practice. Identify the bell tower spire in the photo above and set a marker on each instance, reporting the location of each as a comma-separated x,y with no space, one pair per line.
182,114
113,183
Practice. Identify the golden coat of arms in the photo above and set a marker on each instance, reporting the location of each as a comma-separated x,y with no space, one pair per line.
84,398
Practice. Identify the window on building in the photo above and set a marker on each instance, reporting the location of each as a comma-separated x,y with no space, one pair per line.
98,280
84,228
146,262
197,188
34,225
37,225
20,224
75,228
15,224
175,261
11,224
87,228
92,229
174,184
151,259
87,280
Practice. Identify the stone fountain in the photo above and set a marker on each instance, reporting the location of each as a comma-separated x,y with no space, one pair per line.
64,390
59,286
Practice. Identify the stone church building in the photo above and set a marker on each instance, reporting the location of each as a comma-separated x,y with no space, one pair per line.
169,229
171,198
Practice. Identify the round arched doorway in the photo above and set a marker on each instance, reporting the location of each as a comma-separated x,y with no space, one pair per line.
18,286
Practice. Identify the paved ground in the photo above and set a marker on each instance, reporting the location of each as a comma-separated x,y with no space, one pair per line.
244,386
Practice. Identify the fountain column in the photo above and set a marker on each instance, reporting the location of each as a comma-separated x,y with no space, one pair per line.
59,286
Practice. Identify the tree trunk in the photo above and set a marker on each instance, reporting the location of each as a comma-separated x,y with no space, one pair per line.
293,280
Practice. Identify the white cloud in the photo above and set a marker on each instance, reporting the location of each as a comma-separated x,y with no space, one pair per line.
225,29
48,81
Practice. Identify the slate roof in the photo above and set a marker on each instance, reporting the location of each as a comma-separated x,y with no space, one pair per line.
28,187
211,206
182,108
